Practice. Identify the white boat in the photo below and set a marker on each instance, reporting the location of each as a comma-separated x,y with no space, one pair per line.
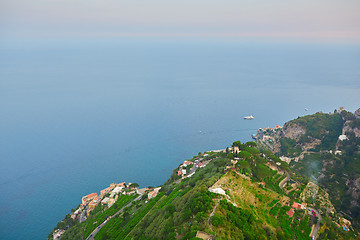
249,117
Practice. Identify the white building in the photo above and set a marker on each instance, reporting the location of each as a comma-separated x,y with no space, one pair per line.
217,190
343,137
117,190
105,201
337,152
157,189
57,234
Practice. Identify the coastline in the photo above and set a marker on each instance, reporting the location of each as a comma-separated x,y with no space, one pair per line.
109,196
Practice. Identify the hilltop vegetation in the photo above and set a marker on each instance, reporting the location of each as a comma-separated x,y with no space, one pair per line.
324,127
310,133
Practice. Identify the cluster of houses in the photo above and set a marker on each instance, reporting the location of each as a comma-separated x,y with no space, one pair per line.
153,193
109,196
265,133
199,163
182,168
296,206
57,234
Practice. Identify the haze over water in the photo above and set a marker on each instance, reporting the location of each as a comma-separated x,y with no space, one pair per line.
76,116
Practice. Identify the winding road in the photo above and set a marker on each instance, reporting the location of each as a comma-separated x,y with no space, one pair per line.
282,183
315,231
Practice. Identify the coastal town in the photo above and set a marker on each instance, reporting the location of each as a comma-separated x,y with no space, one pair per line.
107,197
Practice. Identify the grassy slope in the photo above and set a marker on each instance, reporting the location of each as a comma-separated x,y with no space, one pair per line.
267,208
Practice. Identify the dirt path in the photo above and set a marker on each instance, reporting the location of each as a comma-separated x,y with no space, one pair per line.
212,213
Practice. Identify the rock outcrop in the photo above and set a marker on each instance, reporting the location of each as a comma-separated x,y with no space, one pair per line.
352,125
293,131
357,114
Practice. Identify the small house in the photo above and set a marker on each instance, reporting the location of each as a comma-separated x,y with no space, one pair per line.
290,212
88,198
105,201
296,205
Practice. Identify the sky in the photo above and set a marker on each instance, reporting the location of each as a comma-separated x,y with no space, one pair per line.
302,19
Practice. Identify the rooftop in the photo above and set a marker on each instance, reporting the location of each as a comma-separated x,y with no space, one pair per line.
90,195
290,212
296,205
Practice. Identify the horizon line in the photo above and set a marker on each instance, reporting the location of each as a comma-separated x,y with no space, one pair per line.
320,36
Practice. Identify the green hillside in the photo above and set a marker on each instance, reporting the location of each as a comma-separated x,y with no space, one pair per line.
325,127
256,202
315,152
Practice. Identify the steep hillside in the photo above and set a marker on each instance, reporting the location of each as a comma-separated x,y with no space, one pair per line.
238,193
310,133
324,148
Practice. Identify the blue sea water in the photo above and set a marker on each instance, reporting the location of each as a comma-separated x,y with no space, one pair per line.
78,115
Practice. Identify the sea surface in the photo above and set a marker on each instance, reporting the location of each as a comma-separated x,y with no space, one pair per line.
77,115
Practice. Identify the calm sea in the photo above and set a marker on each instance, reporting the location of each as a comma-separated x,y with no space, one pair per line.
78,115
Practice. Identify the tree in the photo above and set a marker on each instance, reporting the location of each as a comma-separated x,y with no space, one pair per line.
236,144
126,214
251,144
245,155
251,150
134,185
230,155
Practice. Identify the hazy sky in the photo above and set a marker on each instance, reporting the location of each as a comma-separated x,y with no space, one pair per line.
313,19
